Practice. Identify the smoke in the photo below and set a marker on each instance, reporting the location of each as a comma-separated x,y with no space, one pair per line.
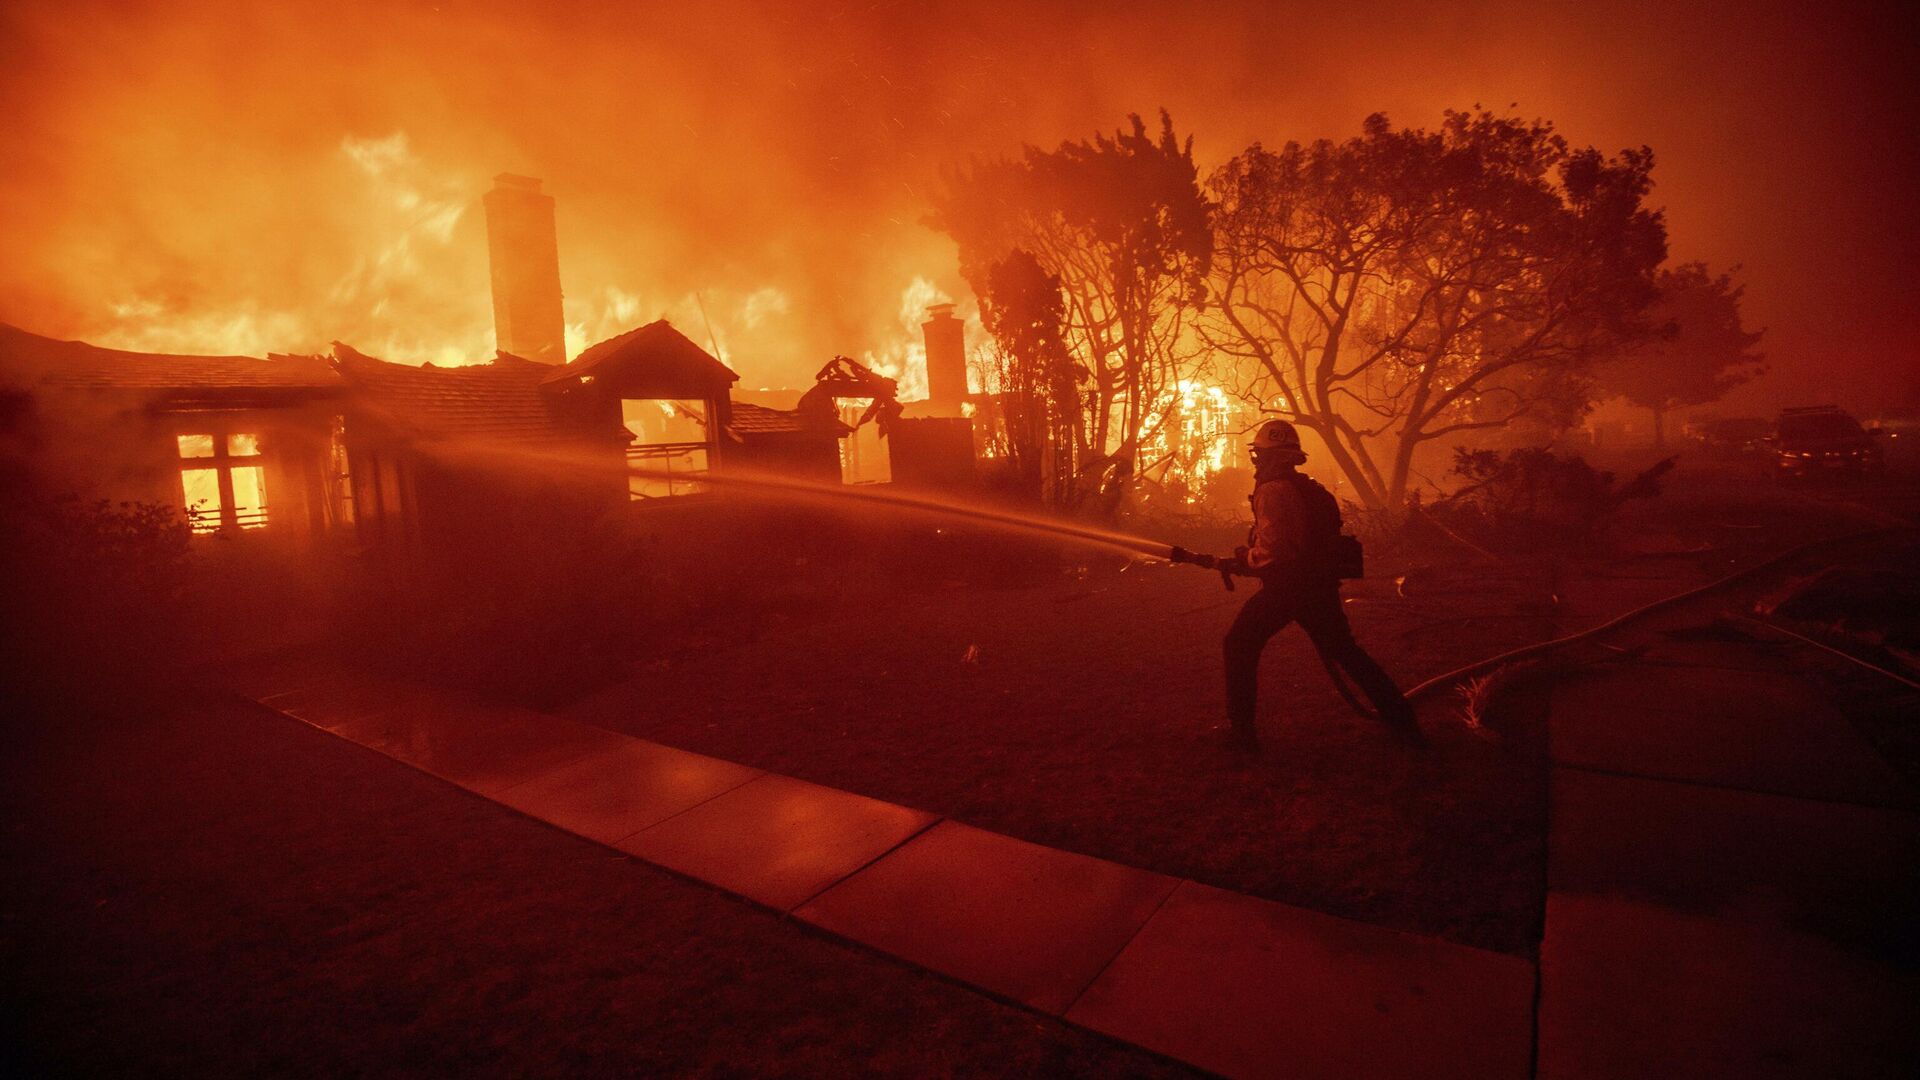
219,177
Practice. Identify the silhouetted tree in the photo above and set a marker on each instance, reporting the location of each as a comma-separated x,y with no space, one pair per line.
1698,352
1032,375
1407,285
1120,223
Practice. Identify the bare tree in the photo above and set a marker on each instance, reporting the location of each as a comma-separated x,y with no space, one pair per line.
1120,223
1407,285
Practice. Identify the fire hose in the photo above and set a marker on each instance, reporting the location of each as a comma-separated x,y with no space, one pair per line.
1622,619
1224,566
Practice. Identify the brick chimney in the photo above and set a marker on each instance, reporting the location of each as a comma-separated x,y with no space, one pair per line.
946,359
525,258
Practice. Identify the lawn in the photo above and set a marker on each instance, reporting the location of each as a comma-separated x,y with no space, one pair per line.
1074,710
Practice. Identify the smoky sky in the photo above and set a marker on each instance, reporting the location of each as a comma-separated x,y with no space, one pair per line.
281,175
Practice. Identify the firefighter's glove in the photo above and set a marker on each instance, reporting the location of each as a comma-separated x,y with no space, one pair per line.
1200,559
1228,567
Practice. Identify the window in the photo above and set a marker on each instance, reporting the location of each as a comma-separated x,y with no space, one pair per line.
224,480
671,448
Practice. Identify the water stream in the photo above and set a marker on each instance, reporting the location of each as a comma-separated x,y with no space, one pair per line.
820,493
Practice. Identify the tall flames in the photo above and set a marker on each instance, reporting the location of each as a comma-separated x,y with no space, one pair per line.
179,172
414,291
411,284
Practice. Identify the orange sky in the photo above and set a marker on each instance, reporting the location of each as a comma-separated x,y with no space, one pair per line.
195,175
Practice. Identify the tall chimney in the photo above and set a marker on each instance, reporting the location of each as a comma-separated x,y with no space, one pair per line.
525,258
946,359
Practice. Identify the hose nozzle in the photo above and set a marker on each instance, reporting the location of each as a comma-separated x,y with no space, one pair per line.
1179,554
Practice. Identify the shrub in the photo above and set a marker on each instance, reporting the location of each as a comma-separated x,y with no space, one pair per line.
93,587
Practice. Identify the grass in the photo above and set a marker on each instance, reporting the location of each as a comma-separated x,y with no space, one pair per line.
1075,711
1077,714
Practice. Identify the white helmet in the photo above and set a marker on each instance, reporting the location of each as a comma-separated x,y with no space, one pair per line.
1277,437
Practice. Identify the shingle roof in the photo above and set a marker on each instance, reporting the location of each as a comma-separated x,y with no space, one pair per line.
502,400
30,361
653,361
750,420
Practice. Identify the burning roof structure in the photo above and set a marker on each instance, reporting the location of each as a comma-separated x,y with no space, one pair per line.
30,363
504,401
653,361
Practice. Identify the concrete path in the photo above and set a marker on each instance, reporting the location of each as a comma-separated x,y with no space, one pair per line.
1732,876
1235,984
1732,880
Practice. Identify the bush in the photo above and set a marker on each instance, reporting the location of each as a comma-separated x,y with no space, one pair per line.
93,588
1530,497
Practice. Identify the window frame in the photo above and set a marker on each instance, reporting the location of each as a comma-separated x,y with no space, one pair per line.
689,483
222,462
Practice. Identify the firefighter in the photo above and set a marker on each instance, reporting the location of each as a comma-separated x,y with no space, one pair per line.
1289,548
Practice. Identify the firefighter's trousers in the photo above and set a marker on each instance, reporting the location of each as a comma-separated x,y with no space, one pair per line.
1315,605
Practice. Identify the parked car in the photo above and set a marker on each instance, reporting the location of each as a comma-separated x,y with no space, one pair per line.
1821,440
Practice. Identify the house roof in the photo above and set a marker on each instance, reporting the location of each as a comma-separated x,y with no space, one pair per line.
654,361
502,400
29,361
750,420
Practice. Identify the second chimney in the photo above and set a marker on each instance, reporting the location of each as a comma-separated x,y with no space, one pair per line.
525,258
946,359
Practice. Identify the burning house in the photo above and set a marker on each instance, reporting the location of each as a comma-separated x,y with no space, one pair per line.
442,456
395,457
241,444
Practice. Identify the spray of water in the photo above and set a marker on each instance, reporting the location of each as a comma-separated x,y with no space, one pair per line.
1001,520
810,492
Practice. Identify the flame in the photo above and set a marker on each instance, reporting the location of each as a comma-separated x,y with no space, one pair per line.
1198,440
902,351
401,296
414,288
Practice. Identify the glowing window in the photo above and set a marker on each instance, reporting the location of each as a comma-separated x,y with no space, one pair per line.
223,481
202,488
250,497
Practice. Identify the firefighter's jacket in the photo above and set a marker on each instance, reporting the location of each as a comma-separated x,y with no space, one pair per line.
1278,542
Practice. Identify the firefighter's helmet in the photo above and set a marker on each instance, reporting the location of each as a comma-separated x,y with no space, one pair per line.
1280,436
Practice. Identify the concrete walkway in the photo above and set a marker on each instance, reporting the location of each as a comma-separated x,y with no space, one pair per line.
1730,869
1732,878
1231,983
